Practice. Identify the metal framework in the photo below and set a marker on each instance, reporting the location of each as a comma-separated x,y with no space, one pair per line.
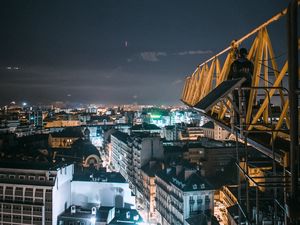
281,135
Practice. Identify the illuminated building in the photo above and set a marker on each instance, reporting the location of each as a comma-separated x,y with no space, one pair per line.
62,123
148,172
170,133
145,128
37,118
130,153
145,147
191,133
33,193
181,193
65,138
220,133
122,156
209,130
95,135
211,157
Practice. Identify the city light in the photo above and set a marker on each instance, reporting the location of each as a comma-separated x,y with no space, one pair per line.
155,116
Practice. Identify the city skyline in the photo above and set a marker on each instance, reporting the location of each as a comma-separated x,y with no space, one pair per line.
111,52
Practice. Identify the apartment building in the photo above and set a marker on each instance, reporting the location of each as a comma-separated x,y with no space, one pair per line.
148,172
122,155
33,193
130,153
181,192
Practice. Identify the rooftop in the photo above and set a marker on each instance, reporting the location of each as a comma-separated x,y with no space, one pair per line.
121,136
98,176
151,168
109,215
24,165
209,125
69,132
193,182
144,126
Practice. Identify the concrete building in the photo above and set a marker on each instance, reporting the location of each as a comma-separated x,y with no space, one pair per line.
211,159
220,133
209,130
181,193
148,172
64,138
145,148
34,193
170,133
145,128
130,153
121,155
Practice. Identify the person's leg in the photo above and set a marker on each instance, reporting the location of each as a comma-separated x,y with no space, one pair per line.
236,102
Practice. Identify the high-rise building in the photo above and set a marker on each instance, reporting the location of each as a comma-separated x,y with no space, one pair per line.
121,155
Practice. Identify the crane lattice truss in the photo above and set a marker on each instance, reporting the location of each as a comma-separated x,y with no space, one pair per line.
213,72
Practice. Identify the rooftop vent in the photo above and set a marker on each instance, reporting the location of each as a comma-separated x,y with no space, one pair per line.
73,209
94,211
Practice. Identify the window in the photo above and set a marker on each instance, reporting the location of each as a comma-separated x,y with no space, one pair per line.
18,199
207,199
12,176
192,201
8,198
199,200
17,207
21,177
31,178
41,178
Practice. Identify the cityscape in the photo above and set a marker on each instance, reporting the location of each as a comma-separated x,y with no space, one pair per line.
100,123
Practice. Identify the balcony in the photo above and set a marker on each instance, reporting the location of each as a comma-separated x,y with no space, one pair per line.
176,197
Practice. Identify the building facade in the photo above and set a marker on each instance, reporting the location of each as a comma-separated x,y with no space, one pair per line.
180,194
33,195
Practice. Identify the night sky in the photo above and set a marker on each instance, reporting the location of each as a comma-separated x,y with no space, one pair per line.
115,52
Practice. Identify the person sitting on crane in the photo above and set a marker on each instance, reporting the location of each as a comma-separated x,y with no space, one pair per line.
242,67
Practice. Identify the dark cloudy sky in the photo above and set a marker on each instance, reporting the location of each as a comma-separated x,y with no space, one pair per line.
115,51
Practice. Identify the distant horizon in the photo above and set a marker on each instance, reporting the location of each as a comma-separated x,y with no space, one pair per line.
78,104
117,52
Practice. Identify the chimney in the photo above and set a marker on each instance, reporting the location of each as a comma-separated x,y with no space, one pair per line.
178,169
188,173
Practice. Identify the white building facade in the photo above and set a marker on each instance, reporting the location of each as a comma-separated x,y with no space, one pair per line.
34,195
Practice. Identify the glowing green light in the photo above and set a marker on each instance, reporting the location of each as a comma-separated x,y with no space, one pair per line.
155,116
